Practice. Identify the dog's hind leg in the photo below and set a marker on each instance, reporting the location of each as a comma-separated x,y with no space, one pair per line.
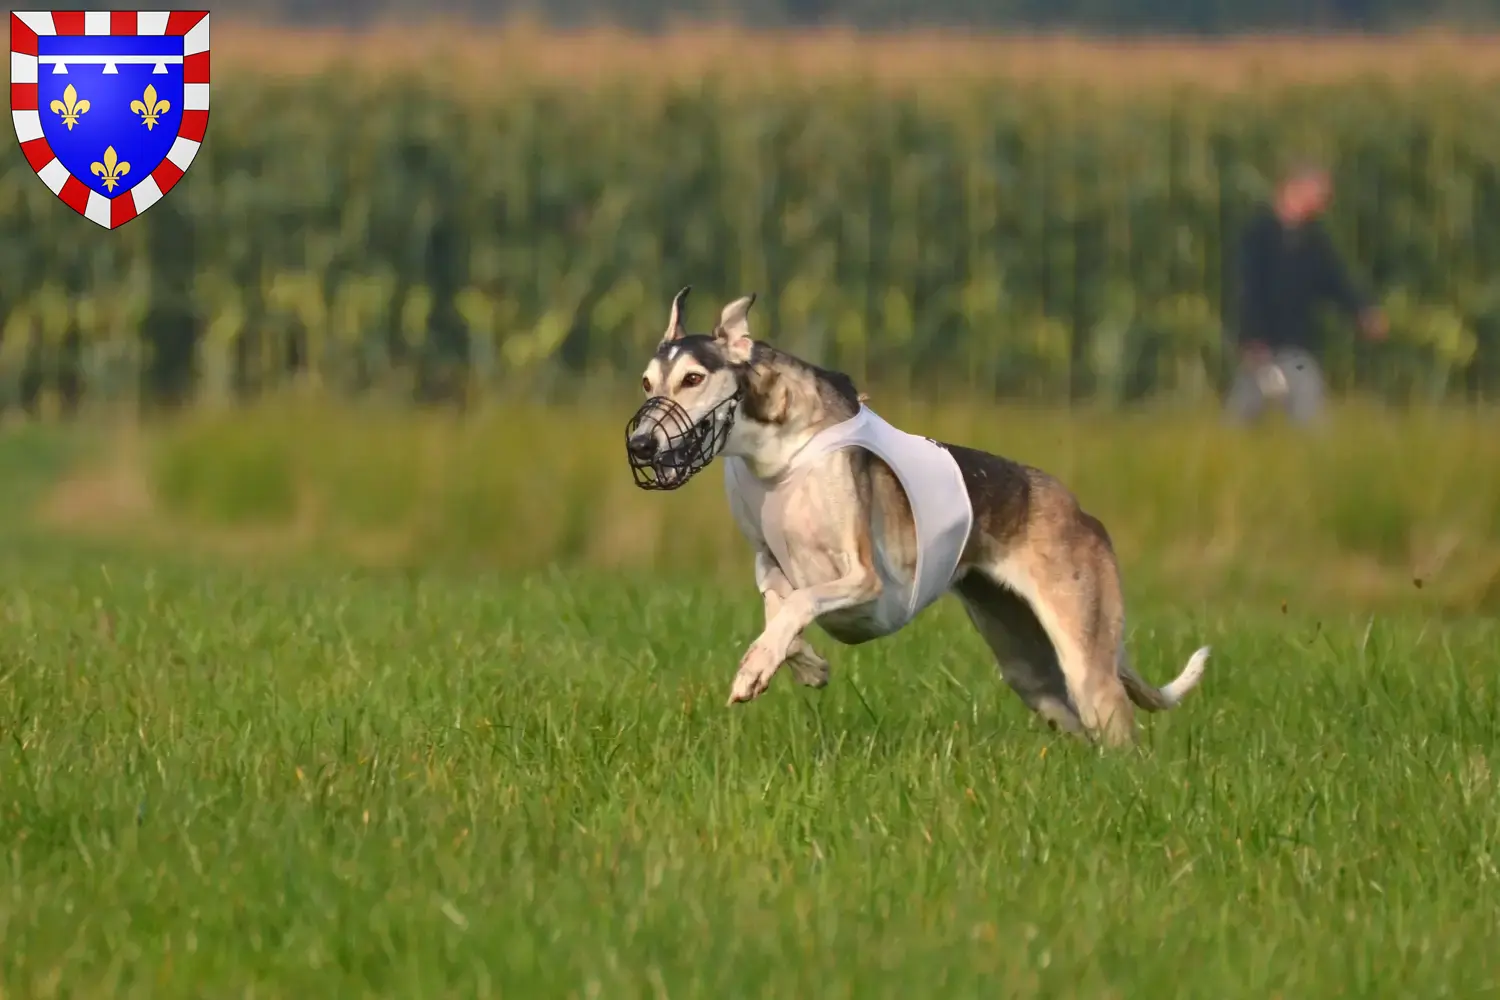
1068,584
1074,590
1022,650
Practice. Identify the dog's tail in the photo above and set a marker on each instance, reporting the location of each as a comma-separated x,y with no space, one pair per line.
1167,696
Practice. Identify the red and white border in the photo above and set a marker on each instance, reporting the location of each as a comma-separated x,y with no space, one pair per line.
111,213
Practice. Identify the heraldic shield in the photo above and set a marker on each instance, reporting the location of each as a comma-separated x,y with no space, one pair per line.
110,105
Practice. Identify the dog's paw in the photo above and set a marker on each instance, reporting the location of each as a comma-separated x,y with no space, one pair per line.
754,676
808,666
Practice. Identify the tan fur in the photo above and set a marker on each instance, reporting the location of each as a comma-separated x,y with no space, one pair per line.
1038,576
1060,563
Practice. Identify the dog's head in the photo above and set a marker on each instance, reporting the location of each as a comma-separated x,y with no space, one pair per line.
698,371
694,384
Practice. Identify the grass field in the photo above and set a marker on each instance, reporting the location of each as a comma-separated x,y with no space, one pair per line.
291,778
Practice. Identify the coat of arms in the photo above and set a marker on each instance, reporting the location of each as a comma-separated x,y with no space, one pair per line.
110,106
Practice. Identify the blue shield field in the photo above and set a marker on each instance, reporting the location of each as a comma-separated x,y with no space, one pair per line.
111,106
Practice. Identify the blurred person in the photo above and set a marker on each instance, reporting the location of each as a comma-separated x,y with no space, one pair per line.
1287,268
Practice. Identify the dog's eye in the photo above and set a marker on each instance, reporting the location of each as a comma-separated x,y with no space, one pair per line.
691,379
646,384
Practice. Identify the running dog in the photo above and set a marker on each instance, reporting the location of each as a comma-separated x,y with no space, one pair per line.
858,526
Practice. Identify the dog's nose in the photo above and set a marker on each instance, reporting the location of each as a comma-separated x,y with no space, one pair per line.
643,448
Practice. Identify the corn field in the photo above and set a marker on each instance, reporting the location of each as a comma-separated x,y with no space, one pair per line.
1006,238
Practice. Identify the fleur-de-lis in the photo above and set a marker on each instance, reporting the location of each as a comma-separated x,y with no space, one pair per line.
70,107
111,170
150,109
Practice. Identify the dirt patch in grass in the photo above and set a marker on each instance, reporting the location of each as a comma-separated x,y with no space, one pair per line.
111,497
107,495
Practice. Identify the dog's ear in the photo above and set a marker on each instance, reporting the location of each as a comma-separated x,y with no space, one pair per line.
733,331
675,328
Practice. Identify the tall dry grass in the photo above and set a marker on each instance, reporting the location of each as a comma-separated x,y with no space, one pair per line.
1381,510
481,60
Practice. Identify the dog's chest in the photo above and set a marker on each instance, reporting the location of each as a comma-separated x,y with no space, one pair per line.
813,548
812,521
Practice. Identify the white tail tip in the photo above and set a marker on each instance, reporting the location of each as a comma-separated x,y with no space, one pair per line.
1191,674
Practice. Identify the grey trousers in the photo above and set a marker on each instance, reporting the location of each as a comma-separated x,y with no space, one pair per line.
1291,379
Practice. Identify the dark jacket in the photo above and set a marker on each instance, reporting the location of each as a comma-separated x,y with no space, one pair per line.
1284,274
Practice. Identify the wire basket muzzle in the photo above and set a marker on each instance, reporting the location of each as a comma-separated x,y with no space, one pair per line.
666,447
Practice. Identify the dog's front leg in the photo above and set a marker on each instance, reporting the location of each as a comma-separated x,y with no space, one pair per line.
808,666
798,610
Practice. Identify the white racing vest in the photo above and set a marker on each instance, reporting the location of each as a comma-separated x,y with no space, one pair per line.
934,488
